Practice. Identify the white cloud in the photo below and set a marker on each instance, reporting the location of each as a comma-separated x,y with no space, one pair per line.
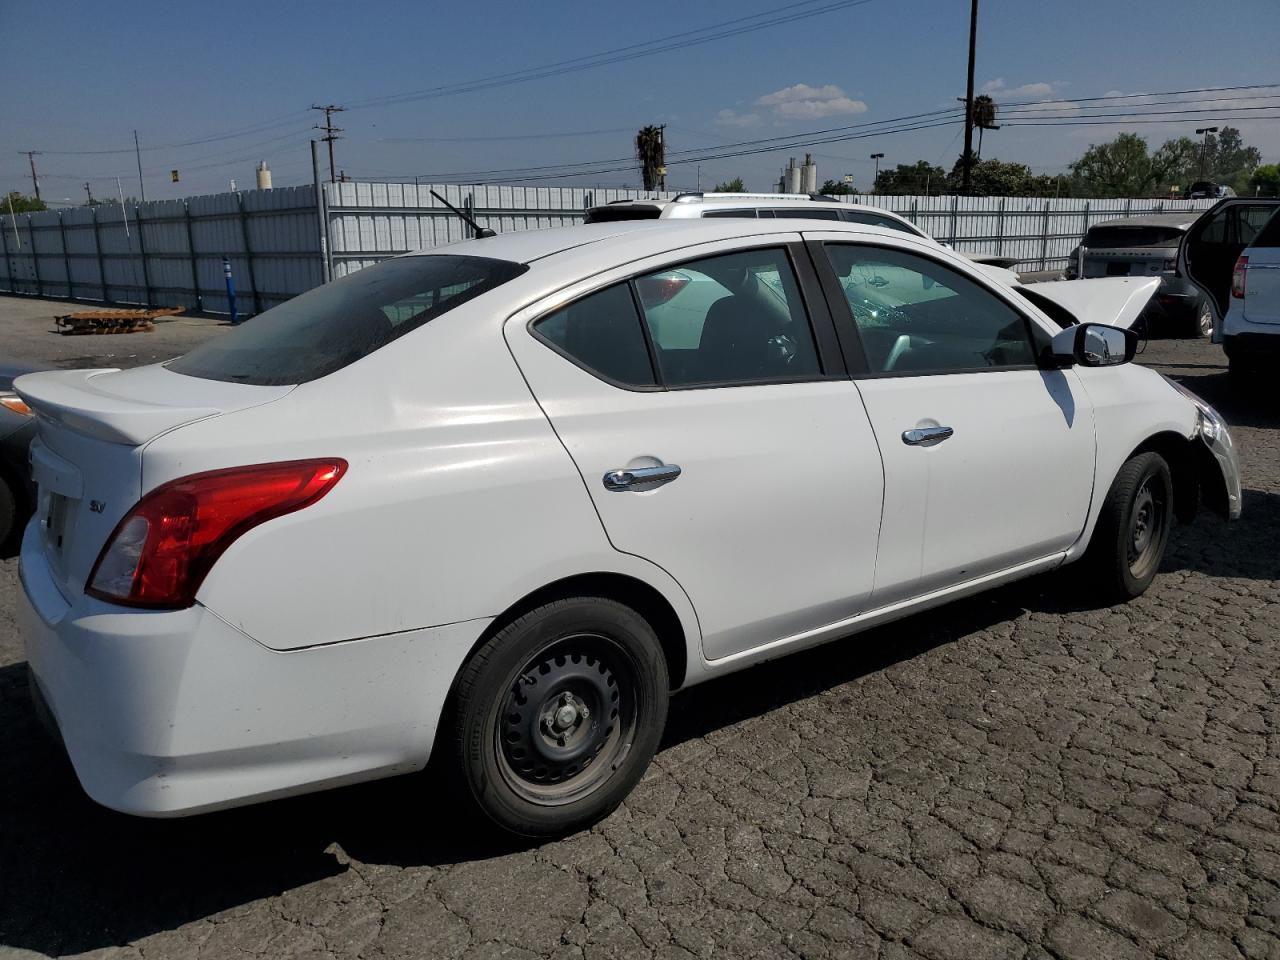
997,88
731,118
803,102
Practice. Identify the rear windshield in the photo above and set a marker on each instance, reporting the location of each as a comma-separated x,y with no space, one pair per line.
1131,236
327,328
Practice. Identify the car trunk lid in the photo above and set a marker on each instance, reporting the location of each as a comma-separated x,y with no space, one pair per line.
87,456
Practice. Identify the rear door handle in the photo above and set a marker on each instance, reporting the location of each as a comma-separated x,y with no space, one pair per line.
620,481
926,436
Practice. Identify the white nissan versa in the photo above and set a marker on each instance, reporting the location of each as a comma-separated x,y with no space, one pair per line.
497,500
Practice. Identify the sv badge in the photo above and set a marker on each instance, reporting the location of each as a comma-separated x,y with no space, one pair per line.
96,506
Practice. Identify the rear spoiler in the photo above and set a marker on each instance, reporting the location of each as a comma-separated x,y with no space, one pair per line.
1117,301
70,397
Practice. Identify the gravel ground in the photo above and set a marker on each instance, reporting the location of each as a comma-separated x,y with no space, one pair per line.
28,336
1016,775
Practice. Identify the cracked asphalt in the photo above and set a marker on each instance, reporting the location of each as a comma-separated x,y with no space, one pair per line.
1017,775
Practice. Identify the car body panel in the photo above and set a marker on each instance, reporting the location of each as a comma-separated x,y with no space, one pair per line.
1118,301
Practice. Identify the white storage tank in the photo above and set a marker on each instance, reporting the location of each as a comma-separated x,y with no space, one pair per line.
264,176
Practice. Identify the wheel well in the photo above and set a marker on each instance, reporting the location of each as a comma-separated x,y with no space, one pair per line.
1179,453
637,594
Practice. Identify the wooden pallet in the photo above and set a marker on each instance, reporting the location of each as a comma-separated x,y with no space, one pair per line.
113,321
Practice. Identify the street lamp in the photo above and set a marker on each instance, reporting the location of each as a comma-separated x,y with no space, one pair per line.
877,157
1204,147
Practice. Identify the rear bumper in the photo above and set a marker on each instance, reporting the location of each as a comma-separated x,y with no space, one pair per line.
166,713
1252,346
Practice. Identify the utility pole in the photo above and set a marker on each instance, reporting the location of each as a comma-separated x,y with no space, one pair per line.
137,152
88,192
1204,147
967,159
330,132
35,181
662,170
877,157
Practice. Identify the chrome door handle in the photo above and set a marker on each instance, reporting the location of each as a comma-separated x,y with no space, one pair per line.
926,436
620,481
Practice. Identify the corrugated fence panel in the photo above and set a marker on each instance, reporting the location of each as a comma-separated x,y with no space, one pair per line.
170,252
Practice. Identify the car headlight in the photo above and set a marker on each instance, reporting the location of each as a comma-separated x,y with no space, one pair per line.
1211,422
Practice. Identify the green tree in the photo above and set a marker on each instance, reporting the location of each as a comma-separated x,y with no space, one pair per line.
1002,178
1228,160
1265,181
1121,168
21,203
731,186
834,188
917,178
652,154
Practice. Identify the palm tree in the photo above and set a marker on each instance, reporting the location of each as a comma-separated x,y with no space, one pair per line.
651,152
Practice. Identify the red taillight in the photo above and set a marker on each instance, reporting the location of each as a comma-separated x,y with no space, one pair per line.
657,290
158,555
1240,278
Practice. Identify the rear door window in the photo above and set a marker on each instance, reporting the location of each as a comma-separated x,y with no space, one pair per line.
602,334
801,213
329,327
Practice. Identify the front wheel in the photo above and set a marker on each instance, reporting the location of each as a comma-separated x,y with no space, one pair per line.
1133,528
557,716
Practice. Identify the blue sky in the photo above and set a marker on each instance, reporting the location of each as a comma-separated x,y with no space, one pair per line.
87,74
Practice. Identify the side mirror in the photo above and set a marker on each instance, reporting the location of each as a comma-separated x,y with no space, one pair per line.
1094,345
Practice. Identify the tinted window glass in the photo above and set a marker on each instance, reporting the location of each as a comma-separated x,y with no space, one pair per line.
917,316
802,213
873,220
1270,235
729,319
327,328
747,214
602,333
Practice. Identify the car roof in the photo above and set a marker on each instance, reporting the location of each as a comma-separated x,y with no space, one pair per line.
1182,220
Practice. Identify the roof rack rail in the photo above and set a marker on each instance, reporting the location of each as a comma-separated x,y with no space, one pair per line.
703,195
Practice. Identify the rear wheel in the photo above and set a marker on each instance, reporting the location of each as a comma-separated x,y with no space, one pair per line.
1200,325
1129,539
557,716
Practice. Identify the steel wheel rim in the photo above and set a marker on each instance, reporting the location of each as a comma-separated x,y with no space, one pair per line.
567,719
1147,521
1206,320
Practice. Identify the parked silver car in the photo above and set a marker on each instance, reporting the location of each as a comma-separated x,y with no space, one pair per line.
1147,246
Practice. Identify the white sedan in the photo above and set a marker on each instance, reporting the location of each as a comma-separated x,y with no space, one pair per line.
496,501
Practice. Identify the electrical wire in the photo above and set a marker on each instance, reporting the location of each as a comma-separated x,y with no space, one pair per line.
678,41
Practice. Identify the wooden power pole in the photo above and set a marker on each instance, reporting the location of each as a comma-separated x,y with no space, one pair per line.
330,132
967,159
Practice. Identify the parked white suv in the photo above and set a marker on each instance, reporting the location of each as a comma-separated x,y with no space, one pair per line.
1232,253
768,206
495,501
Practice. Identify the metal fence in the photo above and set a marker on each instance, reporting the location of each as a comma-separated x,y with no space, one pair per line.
170,252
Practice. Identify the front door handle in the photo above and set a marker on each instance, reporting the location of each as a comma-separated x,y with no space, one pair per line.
926,436
620,481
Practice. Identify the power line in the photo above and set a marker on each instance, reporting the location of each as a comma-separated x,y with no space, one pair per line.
687,38
244,132
1160,93
517,136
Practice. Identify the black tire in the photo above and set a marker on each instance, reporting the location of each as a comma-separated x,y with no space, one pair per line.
8,516
557,716
1132,531
1200,324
